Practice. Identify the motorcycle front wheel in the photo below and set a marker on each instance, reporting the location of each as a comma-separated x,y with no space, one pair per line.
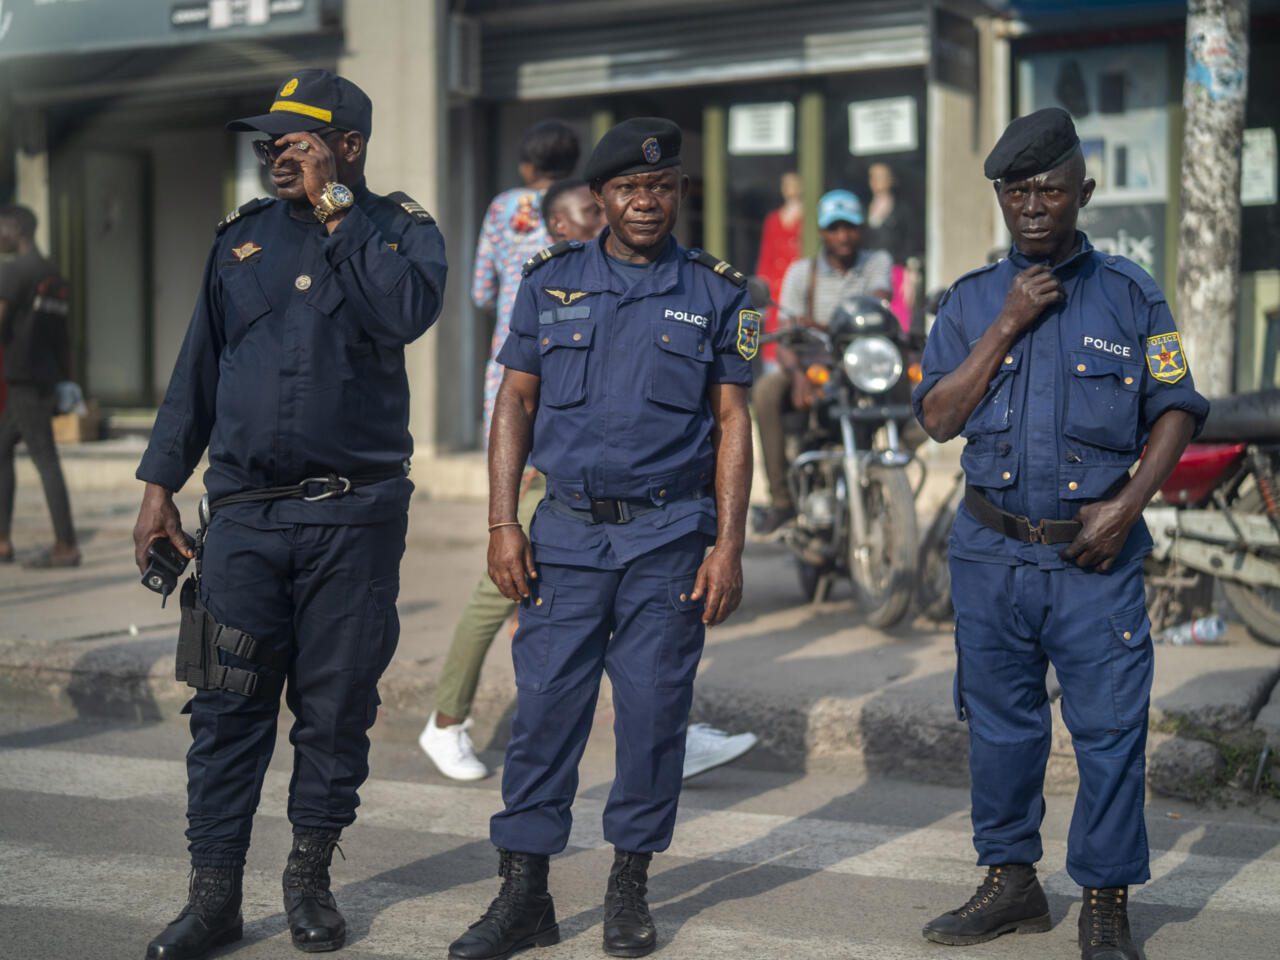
883,567
1259,607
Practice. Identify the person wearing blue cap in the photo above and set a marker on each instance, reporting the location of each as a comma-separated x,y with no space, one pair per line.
1058,364
633,357
812,290
292,378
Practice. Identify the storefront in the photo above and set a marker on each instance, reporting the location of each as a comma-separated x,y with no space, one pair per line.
116,117
820,88
1122,82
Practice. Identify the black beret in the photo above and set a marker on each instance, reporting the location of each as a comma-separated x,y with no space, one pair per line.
639,145
1032,144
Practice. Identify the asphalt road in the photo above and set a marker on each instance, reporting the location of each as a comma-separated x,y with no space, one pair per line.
765,864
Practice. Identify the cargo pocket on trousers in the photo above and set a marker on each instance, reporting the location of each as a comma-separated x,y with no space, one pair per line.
1132,664
682,635
384,635
531,646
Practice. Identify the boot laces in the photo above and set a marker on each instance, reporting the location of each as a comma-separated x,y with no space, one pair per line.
987,892
506,905
307,872
1106,912
207,890
630,886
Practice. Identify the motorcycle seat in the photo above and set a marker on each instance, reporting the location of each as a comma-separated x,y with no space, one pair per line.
1243,418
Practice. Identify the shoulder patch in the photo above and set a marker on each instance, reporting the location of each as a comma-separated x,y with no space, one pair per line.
411,206
544,255
721,267
1127,268
965,276
253,206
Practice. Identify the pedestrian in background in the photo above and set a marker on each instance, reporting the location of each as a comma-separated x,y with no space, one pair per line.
34,302
292,374
513,231
1058,364
634,356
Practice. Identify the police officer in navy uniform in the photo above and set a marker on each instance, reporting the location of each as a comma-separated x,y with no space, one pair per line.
1058,364
627,371
292,376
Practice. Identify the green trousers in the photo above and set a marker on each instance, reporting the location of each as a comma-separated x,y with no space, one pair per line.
485,613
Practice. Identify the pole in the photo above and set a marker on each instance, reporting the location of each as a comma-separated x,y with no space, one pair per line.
1213,100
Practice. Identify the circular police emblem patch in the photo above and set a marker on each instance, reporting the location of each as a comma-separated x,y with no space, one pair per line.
652,150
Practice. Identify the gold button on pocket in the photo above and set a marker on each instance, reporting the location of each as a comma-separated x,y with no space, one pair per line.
666,338
538,602
577,336
545,341
1128,381
1073,485
1081,367
662,493
684,598
1127,635
1006,475
1008,360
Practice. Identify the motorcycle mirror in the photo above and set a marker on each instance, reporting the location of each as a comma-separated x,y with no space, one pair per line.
758,290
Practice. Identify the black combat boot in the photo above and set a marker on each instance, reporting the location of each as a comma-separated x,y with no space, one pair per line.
1009,900
523,915
628,928
1104,925
314,921
210,919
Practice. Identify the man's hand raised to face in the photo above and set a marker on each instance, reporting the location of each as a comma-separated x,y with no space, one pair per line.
1034,290
318,164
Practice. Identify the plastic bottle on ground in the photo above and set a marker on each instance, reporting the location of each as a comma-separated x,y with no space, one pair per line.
1195,632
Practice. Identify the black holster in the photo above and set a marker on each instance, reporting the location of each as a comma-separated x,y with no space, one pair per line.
200,637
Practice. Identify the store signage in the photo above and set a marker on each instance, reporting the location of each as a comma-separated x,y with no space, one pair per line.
1258,168
882,126
762,129
51,27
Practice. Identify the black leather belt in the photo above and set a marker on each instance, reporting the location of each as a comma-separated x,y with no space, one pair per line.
1017,526
604,510
310,489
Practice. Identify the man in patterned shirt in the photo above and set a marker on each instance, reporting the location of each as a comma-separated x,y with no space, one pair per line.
514,230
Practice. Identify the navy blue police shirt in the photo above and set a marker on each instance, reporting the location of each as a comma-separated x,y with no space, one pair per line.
1069,411
623,412
293,365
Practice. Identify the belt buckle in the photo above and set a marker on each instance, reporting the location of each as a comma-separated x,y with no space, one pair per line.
335,486
609,511
1037,533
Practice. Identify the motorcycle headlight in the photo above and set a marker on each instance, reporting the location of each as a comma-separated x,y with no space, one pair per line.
874,364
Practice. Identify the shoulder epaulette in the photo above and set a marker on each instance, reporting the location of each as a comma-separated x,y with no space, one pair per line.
1127,268
542,256
411,206
253,206
965,276
722,267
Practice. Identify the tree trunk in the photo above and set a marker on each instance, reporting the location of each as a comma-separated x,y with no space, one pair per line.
1209,238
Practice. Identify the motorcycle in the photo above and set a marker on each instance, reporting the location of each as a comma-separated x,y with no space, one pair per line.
855,506
1217,520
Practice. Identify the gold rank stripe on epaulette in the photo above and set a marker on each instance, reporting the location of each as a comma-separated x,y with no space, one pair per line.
542,256
721,267
411,206
254,205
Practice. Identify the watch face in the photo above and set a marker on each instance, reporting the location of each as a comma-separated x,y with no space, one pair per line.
341,195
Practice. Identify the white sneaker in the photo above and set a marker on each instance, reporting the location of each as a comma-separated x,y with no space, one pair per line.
451,751
706,748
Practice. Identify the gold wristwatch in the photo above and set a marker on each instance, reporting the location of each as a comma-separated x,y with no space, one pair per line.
336,198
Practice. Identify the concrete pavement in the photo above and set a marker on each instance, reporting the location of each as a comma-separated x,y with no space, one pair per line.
765,864
823,690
